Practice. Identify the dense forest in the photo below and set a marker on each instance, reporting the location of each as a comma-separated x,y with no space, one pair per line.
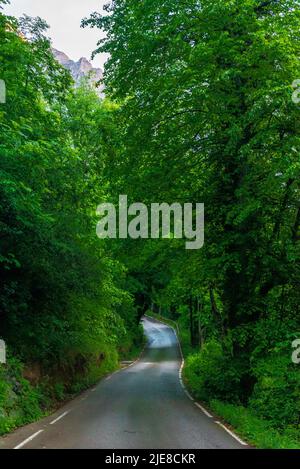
198,109
66,312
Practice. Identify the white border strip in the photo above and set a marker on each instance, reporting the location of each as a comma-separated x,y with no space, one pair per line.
188,394
28,439
232,434
62,416
203,410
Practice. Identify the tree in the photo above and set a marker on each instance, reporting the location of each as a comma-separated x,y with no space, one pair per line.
207,116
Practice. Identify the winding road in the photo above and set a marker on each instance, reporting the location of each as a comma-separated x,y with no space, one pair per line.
144,406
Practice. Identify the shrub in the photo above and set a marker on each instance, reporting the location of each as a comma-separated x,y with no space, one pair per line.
211,374
254,429
276,394
20,403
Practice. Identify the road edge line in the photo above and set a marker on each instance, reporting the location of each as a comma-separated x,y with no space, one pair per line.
231,433
28,440
204,410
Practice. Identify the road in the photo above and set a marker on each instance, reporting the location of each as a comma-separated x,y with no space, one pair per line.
141,407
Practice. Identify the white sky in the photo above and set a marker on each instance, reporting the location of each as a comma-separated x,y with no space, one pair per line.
64,17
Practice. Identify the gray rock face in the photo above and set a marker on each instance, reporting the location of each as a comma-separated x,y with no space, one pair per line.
81,69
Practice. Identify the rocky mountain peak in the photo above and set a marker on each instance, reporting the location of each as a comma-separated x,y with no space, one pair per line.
80,69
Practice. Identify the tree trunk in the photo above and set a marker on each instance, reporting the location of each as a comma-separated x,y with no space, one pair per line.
215,311
200,329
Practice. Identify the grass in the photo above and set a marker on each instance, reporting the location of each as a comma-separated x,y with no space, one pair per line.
253,429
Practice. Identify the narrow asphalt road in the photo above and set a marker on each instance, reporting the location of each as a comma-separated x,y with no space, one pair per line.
141,407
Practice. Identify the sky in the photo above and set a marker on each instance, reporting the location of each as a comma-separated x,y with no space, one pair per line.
64,18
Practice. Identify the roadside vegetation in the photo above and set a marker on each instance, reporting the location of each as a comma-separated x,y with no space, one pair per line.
66,313
198,109
246,421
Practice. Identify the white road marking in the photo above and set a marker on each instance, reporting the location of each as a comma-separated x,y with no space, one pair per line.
204,410
181,366
232,434
59,418
28,439
188,395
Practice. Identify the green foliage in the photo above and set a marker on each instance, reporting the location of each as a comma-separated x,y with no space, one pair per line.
212,374
64,306
20,403
199,110
206,115
60,289
257,431
276,394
